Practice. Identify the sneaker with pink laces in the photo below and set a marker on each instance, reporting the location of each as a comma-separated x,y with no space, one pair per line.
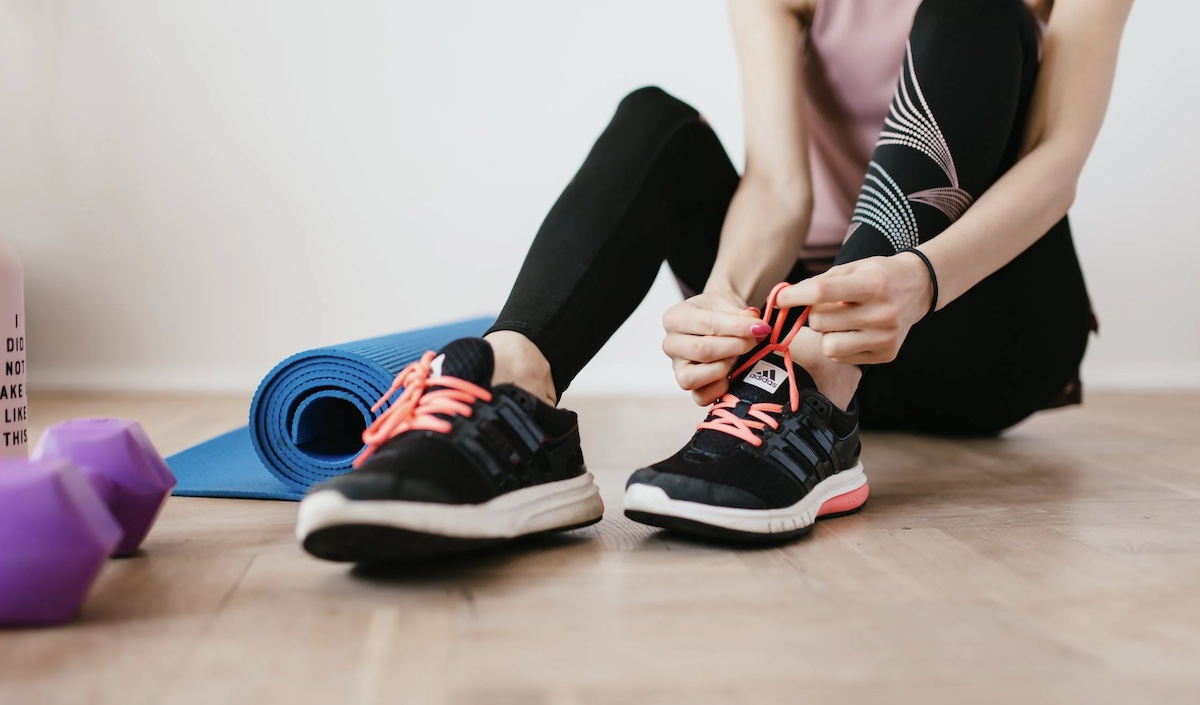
772,457
453,464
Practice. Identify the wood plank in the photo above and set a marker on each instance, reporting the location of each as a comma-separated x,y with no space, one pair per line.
1055,564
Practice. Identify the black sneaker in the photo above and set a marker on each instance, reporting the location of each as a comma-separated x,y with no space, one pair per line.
772,457
453,465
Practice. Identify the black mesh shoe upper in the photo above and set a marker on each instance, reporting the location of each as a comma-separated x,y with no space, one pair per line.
508,443
811,444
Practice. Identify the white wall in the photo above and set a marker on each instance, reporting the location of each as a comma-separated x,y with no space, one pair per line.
200,187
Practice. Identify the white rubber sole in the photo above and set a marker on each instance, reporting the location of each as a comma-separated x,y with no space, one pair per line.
647,499
532,510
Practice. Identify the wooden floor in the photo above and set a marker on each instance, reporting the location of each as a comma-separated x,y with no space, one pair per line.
1060,564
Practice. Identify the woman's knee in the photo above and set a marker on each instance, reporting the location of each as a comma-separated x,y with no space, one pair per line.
652,105
987,18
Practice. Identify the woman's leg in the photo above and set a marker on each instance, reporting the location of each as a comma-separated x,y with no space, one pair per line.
1003,349
655,187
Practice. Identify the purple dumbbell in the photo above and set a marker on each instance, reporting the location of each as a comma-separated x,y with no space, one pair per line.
123,467
55,535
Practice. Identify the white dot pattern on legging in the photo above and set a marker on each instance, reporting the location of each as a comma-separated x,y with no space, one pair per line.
910,123
883,206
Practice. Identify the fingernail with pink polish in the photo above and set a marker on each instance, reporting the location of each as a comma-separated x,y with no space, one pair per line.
760,330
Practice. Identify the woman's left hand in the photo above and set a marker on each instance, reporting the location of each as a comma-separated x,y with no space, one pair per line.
864,309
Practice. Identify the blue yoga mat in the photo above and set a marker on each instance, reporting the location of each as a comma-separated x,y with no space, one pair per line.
307,418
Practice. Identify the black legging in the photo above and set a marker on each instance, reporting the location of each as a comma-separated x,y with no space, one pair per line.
657,184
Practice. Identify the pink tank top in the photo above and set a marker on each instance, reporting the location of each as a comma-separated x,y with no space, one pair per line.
852,63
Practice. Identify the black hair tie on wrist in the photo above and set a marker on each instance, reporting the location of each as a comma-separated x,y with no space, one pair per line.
932,278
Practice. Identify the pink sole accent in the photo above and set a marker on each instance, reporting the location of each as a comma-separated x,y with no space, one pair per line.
846,502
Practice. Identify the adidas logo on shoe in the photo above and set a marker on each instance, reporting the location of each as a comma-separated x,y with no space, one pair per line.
766,376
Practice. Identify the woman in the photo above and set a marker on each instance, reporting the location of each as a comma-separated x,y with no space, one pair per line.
922,221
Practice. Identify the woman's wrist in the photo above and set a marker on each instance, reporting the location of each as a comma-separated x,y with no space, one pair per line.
916,285
764,230
726,291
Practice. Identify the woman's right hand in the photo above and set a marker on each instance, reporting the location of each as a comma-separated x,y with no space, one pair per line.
705,335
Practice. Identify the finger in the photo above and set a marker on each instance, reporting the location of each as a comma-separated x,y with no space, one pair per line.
705,348
832,318
871,357
691,320
846,344
711,392
831,288
692,376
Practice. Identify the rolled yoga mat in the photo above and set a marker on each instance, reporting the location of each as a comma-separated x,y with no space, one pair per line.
307,418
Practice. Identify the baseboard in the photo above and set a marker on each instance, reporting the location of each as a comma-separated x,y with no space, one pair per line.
124,380
1177,376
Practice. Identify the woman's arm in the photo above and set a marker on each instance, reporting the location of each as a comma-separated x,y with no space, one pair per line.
1068,107
767,221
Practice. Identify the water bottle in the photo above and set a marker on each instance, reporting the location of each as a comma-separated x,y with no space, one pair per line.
14,409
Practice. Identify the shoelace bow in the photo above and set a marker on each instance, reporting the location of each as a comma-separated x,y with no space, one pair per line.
418,404
760,415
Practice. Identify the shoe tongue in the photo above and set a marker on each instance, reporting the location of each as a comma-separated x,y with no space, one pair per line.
466,358
766,381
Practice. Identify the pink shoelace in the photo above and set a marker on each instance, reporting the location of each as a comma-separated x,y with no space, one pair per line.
418,406
761,415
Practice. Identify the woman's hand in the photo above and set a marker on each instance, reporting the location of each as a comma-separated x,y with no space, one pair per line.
864,309
705,334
